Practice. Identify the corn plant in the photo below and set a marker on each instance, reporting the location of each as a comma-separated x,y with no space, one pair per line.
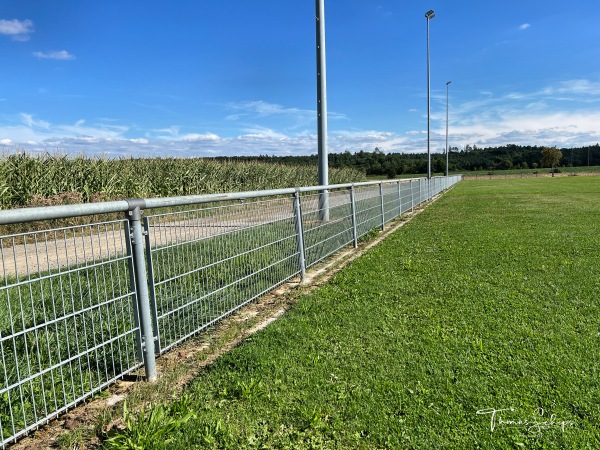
29,180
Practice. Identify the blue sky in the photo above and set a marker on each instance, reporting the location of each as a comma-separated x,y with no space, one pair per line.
235,77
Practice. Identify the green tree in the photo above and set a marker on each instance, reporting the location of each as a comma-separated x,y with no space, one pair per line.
551,156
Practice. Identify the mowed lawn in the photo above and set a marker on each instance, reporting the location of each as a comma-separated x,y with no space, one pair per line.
476,325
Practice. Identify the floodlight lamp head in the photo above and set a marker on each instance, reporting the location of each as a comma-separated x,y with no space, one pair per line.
448,83
430,14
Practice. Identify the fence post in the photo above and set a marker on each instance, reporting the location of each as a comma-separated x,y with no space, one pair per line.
133,284
152,287
399,200
299,235
382,206
429,188
324,205
412,197
141,284
429,183
353,209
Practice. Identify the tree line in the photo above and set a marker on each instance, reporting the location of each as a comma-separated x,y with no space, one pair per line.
471,158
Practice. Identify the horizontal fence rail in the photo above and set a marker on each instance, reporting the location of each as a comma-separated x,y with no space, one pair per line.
83,305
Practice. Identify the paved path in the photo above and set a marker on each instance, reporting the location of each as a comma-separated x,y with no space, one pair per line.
35,254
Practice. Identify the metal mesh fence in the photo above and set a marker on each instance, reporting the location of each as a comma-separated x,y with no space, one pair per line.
324,237
67,320
391,201
82,306
208,262
368,209
406,197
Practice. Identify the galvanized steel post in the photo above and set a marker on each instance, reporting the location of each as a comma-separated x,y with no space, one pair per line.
399,200
137,245
382,206
152,287
353,209
133,284
299,235
428,190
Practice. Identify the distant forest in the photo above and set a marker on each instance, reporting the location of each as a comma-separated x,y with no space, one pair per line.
470,159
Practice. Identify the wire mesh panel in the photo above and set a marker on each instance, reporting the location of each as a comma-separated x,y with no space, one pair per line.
67,320
439,185
368,209
391,201
406,197
416,189
324,237
206,263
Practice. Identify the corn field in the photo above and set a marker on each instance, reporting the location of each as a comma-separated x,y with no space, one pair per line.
28,180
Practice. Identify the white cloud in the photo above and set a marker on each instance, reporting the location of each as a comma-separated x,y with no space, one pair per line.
18,30
26,128
538,117
61,55
262,133
234,117
265,109
524,26
29,121
195,137
261,109
172,132
574,87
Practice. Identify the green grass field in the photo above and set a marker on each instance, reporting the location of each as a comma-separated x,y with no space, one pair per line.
488,300
502,173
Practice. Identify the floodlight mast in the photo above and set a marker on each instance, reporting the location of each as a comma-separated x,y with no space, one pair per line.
323,167
447,148
428,15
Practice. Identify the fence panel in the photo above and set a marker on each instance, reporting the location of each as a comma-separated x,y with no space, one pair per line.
391,203
68,324
368,209
206,263
323,238
406,196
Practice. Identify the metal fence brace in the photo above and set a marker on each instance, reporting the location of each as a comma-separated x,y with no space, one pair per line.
353,205
143,300
299,235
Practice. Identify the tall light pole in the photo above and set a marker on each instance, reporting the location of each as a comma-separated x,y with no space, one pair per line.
428,15
323,169
447,149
